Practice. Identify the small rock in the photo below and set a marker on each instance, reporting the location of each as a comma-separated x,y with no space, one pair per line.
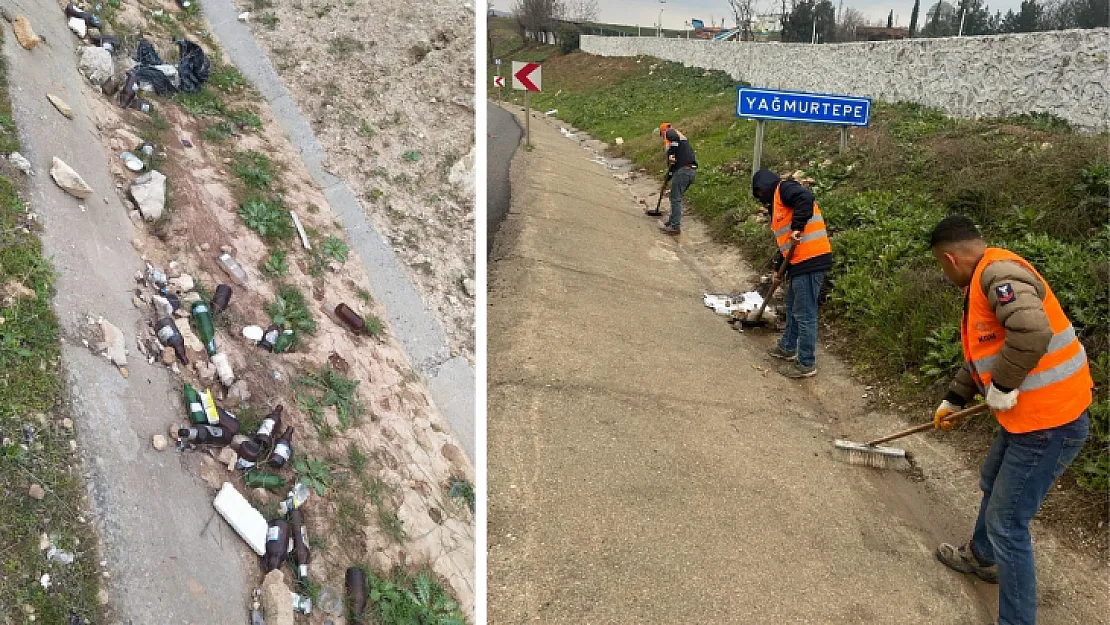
168,356
137,302
239,392
78,26
619,140
44,542
69,180
244,16
159,442
173,270
61,105
276,604
436,515
115,346
461,175
204,247
14,290
36,492
227,457
138,244
149,193
20,163
24,34
183,283
136,217
206,372
67,423
453,454
96,64
468,287
227,249
102,596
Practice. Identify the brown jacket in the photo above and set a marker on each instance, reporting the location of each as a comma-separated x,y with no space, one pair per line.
1028,331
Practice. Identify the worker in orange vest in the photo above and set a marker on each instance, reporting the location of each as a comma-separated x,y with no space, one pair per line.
1022,354
804,246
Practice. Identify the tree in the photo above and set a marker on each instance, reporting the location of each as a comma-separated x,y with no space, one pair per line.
850,19
537,17
1077,14
913,17
975,16
798,25
580,11
743,11
890,19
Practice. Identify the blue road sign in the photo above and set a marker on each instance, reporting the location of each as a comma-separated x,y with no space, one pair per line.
799,106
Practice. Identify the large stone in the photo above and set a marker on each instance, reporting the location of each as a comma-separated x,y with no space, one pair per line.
114,344
60,104
37,492
277,602
96,64
70,181
183,283
24,34
192,343
21,163
149,192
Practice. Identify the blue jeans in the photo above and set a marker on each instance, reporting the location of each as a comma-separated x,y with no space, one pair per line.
801,317
682,179
1018,472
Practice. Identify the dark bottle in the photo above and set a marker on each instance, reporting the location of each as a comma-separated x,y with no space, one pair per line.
277,545
110,42
350,318
228,421
206,435
271,424
195,405
171,297
271,336
283,450
300,545
129,91
202,319
248,455
170,336
221,299
356,594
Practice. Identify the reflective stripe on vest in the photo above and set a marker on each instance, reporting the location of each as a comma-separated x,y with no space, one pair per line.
1058,389
815,239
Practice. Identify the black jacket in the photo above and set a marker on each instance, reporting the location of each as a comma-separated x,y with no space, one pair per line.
679,147
798,198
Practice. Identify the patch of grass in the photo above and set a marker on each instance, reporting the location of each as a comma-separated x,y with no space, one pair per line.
218,132
253,168
290,310
356,459
267,217
244,118
227,78
364,295
275,265
269,20
464,490
333,389
344,45
412,156
201,103
391,524
314,473
31,396
366,130
404,598
310,405
335,249
350,516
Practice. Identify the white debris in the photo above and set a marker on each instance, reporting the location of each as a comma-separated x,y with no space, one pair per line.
78,26
727,303
552,112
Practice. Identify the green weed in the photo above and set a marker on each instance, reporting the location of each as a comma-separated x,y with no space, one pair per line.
336,390
226,78
412,156
201,103
290,310
462,489
275,265
334,248
253,168
408,599
314,473
267,217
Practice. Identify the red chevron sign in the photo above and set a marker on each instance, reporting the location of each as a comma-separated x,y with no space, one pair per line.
526,76
499,81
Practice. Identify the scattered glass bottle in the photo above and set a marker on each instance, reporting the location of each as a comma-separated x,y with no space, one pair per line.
301,553
202,318
221,298
170,336
283,450
264,437
195,405
356,593
351,319
277,545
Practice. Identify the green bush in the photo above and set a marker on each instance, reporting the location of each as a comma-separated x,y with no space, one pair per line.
267,217
569,38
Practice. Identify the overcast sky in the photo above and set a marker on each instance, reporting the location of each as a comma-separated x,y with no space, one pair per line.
676,12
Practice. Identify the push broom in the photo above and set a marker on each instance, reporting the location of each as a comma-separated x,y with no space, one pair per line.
875,454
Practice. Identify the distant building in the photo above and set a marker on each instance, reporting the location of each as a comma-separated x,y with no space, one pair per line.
496,13
877,33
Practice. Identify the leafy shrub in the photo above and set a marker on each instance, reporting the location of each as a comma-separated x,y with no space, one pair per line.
267,217
253,168
290,310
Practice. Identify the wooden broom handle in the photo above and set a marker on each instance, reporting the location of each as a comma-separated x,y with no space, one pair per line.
952,418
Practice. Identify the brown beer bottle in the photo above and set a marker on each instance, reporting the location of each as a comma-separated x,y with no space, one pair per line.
248,455
268,339
277,545
228,422
300,545
221,299
265,435
170,336
356,593
350,318
206,435
283,450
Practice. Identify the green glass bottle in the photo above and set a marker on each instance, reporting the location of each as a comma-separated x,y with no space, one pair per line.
202,319
195,405
257,479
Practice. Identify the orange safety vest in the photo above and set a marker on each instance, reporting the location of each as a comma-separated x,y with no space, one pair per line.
1058,389
815,240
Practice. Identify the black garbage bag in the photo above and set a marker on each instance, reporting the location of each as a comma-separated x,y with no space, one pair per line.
193,67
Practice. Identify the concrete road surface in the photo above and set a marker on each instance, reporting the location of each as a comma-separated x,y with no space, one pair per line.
504,137
646,467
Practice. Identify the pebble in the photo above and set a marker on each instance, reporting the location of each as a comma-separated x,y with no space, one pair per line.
159,442
67,424
168,356
137,244
36,492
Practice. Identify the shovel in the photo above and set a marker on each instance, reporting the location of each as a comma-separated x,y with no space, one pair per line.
747,321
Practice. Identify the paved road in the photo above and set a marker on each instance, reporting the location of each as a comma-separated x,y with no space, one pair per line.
170,562
645,468
504,138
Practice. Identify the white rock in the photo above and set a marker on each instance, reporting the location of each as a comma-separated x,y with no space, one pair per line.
462,175
253,334
239,392
70,181
149,192
244,17
77,25
469,286
159,442
96,64
276,602
113,340
22,164
183,283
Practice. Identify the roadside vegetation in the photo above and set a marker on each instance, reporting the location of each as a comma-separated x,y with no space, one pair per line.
35,432
1033,184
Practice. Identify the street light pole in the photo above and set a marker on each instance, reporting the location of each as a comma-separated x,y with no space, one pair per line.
659,32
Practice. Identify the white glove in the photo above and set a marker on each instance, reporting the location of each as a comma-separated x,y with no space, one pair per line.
998,401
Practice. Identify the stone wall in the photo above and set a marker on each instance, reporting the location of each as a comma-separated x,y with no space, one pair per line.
1061,72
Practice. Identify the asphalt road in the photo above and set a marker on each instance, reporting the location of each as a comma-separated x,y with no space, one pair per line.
647,465
504,138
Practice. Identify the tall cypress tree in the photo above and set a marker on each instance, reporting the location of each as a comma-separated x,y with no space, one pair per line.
913,17
890,19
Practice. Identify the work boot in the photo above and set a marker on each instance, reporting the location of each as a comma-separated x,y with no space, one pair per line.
669,229
779,352
963,560
796,370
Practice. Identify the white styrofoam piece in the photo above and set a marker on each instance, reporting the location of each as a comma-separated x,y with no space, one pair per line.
242,517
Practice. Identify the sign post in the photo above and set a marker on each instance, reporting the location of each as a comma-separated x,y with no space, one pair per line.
799,106
499,81
527,78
